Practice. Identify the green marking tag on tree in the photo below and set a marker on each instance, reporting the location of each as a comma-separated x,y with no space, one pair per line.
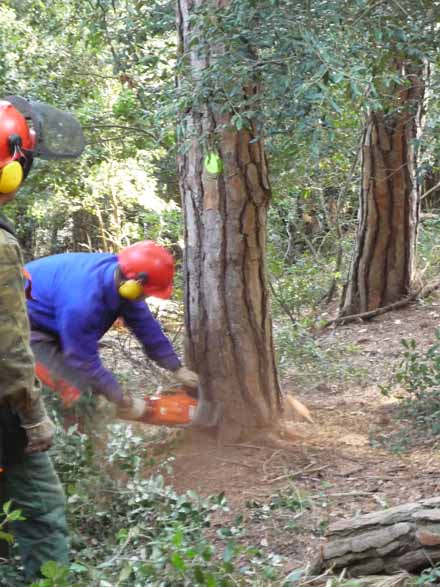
213,164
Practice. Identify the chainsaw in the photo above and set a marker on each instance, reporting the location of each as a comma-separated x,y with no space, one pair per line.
178,406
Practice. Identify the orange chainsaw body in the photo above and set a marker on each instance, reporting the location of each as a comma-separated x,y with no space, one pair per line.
170,408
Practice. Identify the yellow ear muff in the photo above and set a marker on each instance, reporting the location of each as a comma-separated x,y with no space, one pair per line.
11,177
131,289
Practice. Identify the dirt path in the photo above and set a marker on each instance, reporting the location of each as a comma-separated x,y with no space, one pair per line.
288,495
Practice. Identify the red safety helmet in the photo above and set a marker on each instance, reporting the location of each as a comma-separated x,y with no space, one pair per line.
151,265
15,133
17,143
31,129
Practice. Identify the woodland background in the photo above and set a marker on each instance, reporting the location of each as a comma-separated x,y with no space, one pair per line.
344,98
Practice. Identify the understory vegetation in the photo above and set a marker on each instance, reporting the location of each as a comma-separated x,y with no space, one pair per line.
131,529
416,385
323,67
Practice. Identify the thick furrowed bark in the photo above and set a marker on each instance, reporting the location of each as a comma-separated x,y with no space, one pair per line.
229,325
229,329
405,537
383,265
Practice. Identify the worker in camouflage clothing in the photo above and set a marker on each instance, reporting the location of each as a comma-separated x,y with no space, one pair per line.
27,476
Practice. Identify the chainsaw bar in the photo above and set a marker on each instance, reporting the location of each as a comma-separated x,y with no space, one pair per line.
207,413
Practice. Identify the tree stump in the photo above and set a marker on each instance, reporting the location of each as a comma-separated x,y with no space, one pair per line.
405,537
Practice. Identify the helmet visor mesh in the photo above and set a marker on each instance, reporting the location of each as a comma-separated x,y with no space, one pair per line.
61,135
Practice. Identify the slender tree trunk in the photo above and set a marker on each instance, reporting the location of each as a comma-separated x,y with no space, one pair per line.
227,306
383,264
84,231
102,231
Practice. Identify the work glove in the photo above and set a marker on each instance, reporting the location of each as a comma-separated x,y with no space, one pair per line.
186,377
128,408
105,408
132,408
39,428
39,435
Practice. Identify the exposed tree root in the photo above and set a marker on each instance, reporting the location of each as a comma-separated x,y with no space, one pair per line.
420,293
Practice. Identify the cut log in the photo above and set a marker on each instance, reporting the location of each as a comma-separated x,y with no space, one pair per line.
405,537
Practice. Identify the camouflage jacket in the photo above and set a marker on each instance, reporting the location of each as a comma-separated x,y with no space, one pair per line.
18,386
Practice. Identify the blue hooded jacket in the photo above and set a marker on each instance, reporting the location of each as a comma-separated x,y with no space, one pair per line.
74,297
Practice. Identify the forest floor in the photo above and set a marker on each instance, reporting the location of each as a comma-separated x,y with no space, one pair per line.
341,465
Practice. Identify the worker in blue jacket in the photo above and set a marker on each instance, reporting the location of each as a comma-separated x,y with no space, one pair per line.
75,299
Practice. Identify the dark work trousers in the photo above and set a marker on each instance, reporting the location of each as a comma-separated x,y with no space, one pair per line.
31,483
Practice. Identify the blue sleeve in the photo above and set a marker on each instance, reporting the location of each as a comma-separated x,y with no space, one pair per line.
146,328
80,349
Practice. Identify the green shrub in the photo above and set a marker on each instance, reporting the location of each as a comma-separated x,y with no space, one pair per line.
418,379
419,375
129,529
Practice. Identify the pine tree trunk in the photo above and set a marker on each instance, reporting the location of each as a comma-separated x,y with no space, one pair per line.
383,265
227,307
405,537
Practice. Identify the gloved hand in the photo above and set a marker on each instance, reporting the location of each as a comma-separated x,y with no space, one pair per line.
39,428
105,408
40,435
132,408
128,408
186,376
126,402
